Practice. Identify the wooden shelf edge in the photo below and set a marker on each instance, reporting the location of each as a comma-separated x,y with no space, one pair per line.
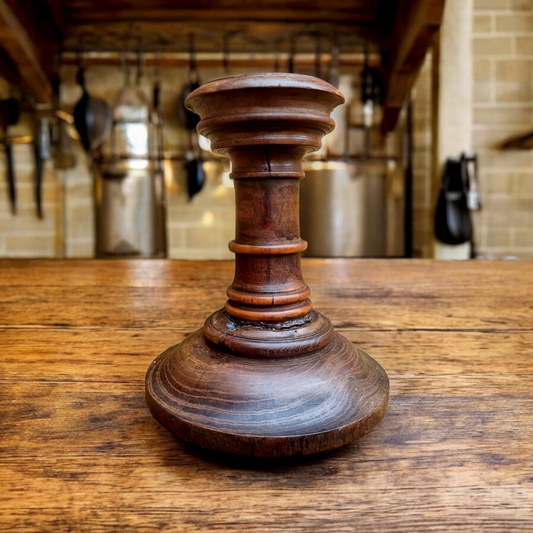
411,36
30,49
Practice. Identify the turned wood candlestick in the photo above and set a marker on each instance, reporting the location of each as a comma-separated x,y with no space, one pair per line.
267,375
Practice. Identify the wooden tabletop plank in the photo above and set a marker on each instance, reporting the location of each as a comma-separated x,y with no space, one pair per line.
123,355
345,275
347,293
113,273
491,508
60,419
79,450
159,307
403,493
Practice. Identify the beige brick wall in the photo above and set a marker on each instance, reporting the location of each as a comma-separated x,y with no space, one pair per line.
502,44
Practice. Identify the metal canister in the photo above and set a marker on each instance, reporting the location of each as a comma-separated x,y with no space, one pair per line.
343,211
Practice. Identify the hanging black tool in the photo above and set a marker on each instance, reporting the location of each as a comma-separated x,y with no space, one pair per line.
9,116
195,176
292,53
277,63
43,151
368,98
158,152
226,55
371,88
193,165
92,116
186,117
453,224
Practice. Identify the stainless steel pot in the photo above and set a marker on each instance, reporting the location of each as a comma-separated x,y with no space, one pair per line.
343,211
127,212
130,190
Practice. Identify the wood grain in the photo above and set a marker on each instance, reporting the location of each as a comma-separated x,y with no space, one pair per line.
79,450
266,376
164,25
411,35
29,45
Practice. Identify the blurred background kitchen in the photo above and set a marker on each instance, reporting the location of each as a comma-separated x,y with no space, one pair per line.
431,156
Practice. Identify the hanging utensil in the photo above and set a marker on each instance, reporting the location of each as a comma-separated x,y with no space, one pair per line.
277,56
43,151
63,149
193,165
157,122
367,99
471,168
9,116
292,53
131,114
195,177
225,55
333,71
195,170
186,117
367,92
127,206
92,116
453,222
159,173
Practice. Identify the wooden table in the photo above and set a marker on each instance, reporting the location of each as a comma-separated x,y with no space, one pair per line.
80,452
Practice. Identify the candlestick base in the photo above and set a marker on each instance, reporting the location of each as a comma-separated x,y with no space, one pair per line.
267,407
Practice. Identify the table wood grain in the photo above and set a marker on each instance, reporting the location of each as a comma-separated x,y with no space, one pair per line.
80,452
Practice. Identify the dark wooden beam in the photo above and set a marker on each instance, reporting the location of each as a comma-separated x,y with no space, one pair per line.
246,36
411,36
30,47
360,11
255,26
322,15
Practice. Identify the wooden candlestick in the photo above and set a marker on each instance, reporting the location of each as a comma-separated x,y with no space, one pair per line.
267,375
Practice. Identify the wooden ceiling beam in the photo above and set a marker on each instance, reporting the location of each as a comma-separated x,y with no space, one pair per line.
29,49
258,26
311,15
245,36
414,27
